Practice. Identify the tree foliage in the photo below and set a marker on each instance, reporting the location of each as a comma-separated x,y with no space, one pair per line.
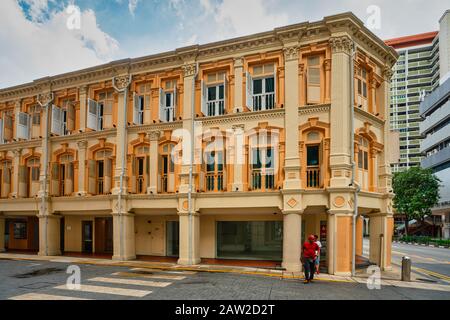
416,192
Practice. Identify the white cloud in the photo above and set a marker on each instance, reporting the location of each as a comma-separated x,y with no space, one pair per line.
36,50
132,5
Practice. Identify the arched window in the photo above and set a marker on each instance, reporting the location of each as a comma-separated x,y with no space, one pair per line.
140,169
263,161
363,163
5,178
100,172
166,168
32,176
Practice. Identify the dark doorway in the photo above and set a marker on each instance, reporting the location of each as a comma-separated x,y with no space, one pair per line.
103,235
62,228
87,236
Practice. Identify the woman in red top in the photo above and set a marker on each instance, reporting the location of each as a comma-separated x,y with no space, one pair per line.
309,250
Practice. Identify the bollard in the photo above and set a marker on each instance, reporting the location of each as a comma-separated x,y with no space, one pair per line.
406,269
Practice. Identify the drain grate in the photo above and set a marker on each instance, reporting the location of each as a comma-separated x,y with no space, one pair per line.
37,273
38,285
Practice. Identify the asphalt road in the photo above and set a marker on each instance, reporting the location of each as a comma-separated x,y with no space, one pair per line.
430,261
21,280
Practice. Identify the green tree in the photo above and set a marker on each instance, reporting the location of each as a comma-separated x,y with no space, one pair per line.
416,192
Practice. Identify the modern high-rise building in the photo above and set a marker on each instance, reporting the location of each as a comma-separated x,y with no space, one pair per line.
423,63
435,129
230,150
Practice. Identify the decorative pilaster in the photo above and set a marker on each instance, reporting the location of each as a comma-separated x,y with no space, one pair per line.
121,83
83,93
82,148
154,143
238,74
15,173
292,158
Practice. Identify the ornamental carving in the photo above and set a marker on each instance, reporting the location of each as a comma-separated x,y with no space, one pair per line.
291,53
189,69
341,44
239,62
82,144
154,135
387,73
120,83
45,99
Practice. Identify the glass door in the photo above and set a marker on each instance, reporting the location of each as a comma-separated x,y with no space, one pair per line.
173,238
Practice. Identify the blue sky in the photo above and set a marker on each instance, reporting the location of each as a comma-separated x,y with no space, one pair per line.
40,44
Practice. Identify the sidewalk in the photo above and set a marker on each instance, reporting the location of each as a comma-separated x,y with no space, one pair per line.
388,278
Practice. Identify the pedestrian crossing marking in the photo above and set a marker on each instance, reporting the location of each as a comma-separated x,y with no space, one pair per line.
149,276
165,271
131,282
43,297
108,290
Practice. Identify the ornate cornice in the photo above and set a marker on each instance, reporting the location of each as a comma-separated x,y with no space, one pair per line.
320,108
154,135
120,83
45,99
242,117
387,73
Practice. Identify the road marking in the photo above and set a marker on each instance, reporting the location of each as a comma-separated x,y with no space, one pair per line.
432,273
132,282
108,290
148,276
165,271
43,297
419,257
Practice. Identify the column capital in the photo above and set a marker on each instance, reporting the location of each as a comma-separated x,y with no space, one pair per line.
83,90
82,144
286,212
45,99
189,69
17,152
238,62
341,44
291,52
387,73
120,83
154,135
327,64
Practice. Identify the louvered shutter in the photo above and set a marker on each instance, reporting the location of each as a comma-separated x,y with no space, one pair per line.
313,80
249,87
68,183
8,128
275,81
136,101
6,182
23,179
54,186
108,175
174,103
70,116
56,127
107,114
92,115
249,168
147,171
23,126
133,188
1,131
225,85
161,106
91,176
202,176
159,173
204,105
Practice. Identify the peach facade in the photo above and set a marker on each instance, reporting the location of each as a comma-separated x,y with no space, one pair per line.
102,155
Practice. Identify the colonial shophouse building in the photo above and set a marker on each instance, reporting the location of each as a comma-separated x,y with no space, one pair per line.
99,160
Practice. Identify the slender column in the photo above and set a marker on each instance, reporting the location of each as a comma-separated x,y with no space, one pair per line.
239,158
238,90
327,63
189,70
15,173
124,246
82,149
83,107
359,235
185,238
292,230
292,158
340,157
121,84
154,139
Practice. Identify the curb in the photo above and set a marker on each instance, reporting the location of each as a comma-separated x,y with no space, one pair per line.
420,244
